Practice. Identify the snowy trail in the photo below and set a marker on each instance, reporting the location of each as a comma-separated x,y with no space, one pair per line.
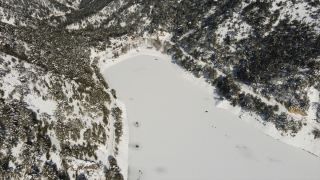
178,139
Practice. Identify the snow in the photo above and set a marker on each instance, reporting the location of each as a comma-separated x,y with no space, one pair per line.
122,156
74,4
178,139
101,15
314,97
4,19
47,106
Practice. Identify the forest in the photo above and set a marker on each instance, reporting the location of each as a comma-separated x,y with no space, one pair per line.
261,44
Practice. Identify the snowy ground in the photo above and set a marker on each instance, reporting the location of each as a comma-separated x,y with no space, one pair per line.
177,139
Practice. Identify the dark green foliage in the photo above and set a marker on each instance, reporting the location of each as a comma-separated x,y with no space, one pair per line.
97,95
18,120
51,172
9,50
100,77
293,45
234,101
118,131
87,8
316,133
113,92
83,151
84,3
106,114
287,52
282,55
81,177
95,135
177,53
68,129
314,3
117,113
113,173
256,13
44,142
4,162
285,123
60,6
254,104
223,12
227,86
210,73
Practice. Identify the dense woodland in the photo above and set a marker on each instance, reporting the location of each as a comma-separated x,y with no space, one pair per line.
277,56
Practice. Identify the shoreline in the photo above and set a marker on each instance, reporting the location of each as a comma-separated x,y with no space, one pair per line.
255,121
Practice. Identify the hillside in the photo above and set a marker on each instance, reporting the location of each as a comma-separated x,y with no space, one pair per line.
60,118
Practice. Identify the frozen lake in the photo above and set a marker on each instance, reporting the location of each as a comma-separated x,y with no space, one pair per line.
177,139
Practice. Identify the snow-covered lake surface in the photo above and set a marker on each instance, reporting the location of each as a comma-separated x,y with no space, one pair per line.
181,134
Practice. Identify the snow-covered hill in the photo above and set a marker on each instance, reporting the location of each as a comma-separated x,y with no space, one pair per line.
259,58
47,126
